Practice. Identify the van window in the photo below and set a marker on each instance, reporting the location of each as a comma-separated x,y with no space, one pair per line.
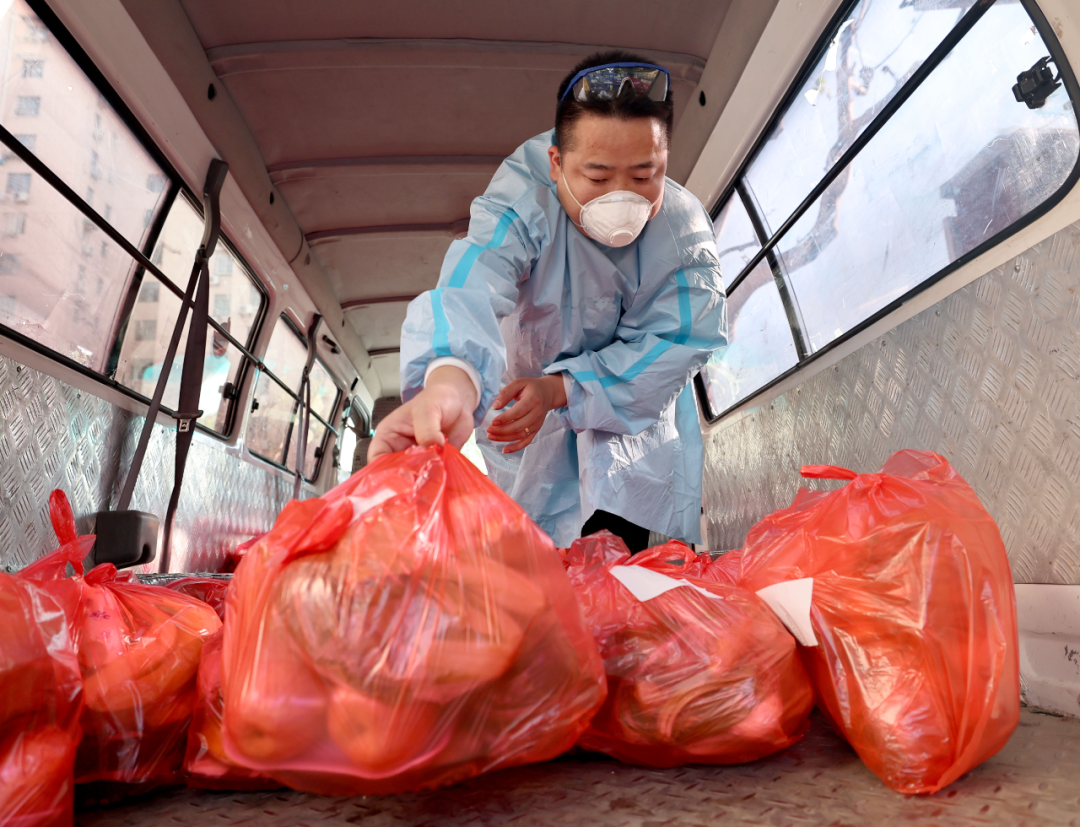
235,304
62,282
271,431
951,171
77,133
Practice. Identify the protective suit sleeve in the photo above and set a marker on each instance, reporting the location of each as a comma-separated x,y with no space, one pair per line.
661,341
478,286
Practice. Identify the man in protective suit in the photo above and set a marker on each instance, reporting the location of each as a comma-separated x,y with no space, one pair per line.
583,300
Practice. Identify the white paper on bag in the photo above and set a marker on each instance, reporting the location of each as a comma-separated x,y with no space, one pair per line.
791,603
645,584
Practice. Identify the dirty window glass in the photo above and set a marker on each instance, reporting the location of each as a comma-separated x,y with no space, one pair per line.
960,162
55,110
736,241
271,422
315,446
324,391
760,347
877,48
61,279
235,302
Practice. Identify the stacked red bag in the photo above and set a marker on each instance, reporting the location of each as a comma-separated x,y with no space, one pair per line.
914,610
40,702
699,673
410,629
138,650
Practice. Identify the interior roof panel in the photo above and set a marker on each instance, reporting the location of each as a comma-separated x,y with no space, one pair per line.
394,100
378,325
688,26
334,195
382,263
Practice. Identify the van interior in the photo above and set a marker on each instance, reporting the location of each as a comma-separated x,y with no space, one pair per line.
893,186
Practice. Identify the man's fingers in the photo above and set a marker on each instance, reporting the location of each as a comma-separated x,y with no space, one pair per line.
427,425
509,393
461,430
517,430
524,408
395,433
388,444
519,445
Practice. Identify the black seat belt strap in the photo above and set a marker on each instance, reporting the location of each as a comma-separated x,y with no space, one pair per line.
197,298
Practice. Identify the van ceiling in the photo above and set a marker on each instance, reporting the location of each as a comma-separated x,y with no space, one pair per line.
380,122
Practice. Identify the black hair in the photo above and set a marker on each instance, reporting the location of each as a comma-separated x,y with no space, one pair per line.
626,106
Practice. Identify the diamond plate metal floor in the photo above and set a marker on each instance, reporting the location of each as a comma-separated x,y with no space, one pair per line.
1034,780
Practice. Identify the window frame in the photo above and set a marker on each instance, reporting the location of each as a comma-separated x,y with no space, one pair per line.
172,187
294,419
246,349
737,188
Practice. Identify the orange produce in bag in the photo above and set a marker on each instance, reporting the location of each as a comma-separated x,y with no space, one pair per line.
410,629
697,672
205,763
40,702
913,613
138,649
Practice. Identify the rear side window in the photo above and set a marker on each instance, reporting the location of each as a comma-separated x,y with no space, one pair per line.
273,427
236,304
943,161
62,279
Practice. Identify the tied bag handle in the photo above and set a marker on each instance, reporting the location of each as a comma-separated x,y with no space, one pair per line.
827,472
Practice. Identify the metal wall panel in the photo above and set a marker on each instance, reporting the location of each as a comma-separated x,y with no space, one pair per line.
987,377
53,435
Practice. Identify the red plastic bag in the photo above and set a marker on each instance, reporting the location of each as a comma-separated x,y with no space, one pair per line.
209,590
914,611
725,568
409,629
138,650
673,558
698,673
40,702
205,764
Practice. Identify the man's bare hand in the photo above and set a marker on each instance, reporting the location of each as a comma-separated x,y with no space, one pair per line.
442,411
532,398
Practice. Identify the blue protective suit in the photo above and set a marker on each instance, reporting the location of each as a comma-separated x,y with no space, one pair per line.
527,294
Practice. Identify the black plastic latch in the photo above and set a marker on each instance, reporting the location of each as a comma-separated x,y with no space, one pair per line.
125,538
1035,85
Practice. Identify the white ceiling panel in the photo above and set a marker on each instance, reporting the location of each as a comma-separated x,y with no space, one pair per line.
388,367
381,192
366,265
379,325
688,26
331,100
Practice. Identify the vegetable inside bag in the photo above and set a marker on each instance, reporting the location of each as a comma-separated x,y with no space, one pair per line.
914,610
410,629
40,702
698,672
138,650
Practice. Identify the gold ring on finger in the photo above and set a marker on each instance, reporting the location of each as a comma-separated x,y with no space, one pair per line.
526,430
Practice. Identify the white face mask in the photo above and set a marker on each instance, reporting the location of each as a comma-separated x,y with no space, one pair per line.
615,218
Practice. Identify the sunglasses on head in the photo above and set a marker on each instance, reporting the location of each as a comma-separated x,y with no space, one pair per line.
608,82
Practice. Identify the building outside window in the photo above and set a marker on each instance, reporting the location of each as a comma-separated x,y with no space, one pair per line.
15,223
28,106
145,330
